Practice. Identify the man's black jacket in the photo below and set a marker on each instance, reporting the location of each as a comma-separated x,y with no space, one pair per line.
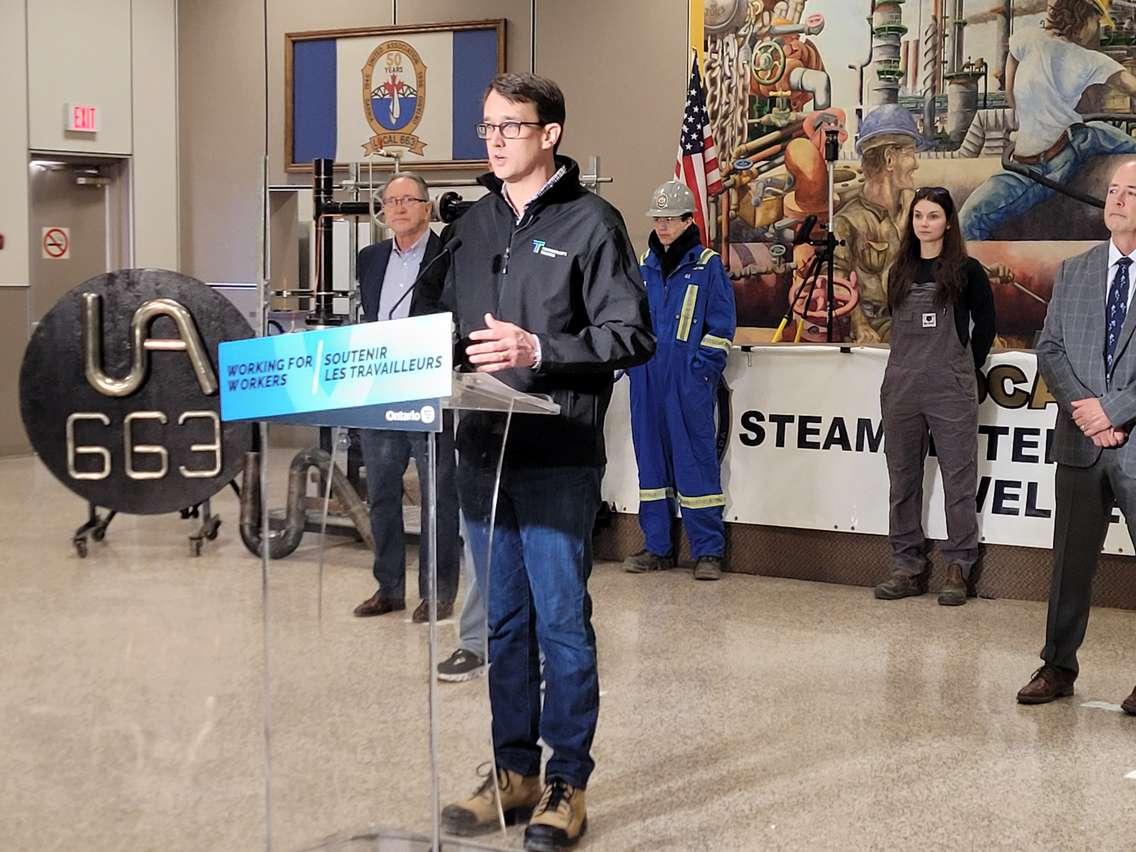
567,273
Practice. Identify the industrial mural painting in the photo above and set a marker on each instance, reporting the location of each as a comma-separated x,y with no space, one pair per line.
1018,107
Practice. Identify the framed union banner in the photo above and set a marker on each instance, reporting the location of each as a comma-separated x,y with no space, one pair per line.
415,90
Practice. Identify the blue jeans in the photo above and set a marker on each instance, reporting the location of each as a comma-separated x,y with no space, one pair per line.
1006,195
539,606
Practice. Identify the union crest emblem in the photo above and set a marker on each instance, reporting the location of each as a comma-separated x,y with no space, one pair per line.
394,97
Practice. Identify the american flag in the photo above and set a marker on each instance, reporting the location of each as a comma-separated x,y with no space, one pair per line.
697,162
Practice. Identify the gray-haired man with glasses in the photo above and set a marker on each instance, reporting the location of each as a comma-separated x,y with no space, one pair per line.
386,270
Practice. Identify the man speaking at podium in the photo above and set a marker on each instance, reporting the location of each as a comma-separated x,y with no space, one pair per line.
547,296
386,271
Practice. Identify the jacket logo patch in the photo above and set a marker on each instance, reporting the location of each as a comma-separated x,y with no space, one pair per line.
540,248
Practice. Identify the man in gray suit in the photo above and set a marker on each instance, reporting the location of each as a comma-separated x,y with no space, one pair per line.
1088,359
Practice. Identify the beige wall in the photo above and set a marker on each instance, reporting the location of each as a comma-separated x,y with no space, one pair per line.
13,338
119,55
155,183
622,65
86,61
13,149
221,129
518,31
623,68
14,266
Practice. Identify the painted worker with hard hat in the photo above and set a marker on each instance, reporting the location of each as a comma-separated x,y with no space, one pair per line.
871,224
1048,69
672,395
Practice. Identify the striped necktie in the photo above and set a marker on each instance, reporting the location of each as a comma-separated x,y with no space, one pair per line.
1115,310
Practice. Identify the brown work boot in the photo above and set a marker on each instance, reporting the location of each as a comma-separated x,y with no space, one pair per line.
376,604
901,586
953,592
1047,684
1128,705
478,813
422,611
559,820
645,560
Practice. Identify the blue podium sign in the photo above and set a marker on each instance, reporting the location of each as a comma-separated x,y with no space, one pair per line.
385,375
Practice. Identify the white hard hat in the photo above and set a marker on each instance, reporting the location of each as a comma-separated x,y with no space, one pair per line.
671,199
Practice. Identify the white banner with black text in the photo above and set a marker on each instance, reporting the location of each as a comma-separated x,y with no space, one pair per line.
806,447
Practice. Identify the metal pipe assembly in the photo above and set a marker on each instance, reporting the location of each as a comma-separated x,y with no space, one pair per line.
282,543
324,209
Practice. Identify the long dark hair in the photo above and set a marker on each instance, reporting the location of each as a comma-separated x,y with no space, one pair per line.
947,268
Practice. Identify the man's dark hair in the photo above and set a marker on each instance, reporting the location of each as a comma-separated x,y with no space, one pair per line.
525,88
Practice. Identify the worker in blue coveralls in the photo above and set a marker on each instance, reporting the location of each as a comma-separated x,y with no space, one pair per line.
673,394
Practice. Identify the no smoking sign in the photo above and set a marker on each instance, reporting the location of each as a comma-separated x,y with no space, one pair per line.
55,243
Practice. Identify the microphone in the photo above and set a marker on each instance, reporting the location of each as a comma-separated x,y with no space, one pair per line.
449,247
803,233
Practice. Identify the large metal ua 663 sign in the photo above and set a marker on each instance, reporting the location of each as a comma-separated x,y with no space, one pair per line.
118,391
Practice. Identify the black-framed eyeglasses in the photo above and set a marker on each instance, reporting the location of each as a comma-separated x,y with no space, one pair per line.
403,201
509,129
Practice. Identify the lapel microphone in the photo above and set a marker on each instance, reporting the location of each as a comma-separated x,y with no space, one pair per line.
449,247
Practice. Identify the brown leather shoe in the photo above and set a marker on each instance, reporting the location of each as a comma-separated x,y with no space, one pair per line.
376,604
953,592
1047,684
478,813
422,612
1128,705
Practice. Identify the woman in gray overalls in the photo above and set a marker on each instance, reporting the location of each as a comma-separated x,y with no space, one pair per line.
936,293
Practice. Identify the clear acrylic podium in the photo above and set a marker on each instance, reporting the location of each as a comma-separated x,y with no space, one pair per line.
421,831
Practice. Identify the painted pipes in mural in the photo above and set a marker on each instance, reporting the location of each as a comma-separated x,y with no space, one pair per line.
1017,108
806,447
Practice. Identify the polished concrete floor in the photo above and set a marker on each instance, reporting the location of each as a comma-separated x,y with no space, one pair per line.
747,714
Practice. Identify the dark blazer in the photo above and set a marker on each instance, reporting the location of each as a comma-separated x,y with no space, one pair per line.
1070,355
371,268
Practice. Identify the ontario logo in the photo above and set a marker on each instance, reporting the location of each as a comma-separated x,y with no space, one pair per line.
394,97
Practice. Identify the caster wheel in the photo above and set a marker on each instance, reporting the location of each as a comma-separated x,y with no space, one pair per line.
99,534
211,533
81,548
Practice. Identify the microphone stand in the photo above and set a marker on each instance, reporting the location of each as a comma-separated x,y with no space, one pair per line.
824,258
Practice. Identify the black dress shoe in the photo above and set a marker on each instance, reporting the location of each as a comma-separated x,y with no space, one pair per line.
422,612
376,604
